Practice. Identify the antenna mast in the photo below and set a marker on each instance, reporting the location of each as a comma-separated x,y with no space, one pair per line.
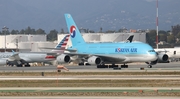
157,25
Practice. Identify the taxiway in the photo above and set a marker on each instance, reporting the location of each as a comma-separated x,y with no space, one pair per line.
132,67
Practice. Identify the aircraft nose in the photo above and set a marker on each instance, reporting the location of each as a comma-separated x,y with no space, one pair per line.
154,57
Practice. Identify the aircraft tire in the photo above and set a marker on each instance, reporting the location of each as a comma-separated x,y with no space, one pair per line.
124,66
27,65
115,66
98,66
110,66
149,66
20,65
80,64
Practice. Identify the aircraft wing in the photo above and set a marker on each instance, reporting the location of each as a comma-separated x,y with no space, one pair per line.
104,57
71,50
161,51
111,59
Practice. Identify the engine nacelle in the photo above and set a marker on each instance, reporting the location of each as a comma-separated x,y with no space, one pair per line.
163,57
3,62
63,58
94,60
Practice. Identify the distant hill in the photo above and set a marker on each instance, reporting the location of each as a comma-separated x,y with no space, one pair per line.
91,14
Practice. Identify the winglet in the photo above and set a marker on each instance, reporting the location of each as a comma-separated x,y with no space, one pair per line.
129,39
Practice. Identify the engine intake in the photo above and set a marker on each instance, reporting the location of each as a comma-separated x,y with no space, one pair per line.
3,62
94,60
63,58
162,57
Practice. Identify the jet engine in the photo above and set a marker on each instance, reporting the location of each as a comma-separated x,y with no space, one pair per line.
94,60
162,57
3,62
63,58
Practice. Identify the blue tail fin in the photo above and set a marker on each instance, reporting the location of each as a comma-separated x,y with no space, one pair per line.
75,35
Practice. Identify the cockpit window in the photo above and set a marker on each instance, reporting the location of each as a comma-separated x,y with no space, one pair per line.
151,51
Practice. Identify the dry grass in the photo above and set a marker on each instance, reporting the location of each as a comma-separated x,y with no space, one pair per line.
85,73
177,94
90,83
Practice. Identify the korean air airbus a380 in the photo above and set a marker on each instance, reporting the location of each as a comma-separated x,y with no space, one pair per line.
106,53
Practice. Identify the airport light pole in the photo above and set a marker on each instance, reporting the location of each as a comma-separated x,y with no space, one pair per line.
157,41
5,29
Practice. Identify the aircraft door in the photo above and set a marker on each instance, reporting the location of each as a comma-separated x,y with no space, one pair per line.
174,52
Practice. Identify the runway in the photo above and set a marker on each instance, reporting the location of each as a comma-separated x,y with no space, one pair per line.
74,68
94,77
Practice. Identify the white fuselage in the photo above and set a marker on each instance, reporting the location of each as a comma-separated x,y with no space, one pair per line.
28,57
171,52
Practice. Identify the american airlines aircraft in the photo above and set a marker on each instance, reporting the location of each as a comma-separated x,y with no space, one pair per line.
20,59
107,53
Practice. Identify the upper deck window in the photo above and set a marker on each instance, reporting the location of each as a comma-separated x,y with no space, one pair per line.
151,51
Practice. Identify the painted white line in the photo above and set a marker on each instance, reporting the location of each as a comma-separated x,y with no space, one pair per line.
91,88
153,78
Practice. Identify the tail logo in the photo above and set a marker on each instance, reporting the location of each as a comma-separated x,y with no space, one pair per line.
73,31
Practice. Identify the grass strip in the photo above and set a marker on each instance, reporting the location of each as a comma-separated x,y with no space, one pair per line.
90,83
175,94
86,73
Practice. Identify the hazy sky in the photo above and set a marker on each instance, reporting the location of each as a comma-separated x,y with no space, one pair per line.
93,14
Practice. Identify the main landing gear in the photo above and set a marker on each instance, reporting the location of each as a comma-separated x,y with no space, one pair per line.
20,63
106,66
149,66
124,66
111,66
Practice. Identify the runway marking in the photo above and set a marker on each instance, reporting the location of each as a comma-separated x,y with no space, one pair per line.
152,78
89,89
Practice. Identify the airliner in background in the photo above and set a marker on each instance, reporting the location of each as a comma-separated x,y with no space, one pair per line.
101,54
20,59
173,53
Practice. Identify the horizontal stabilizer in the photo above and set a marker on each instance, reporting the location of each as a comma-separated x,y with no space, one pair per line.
71,50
